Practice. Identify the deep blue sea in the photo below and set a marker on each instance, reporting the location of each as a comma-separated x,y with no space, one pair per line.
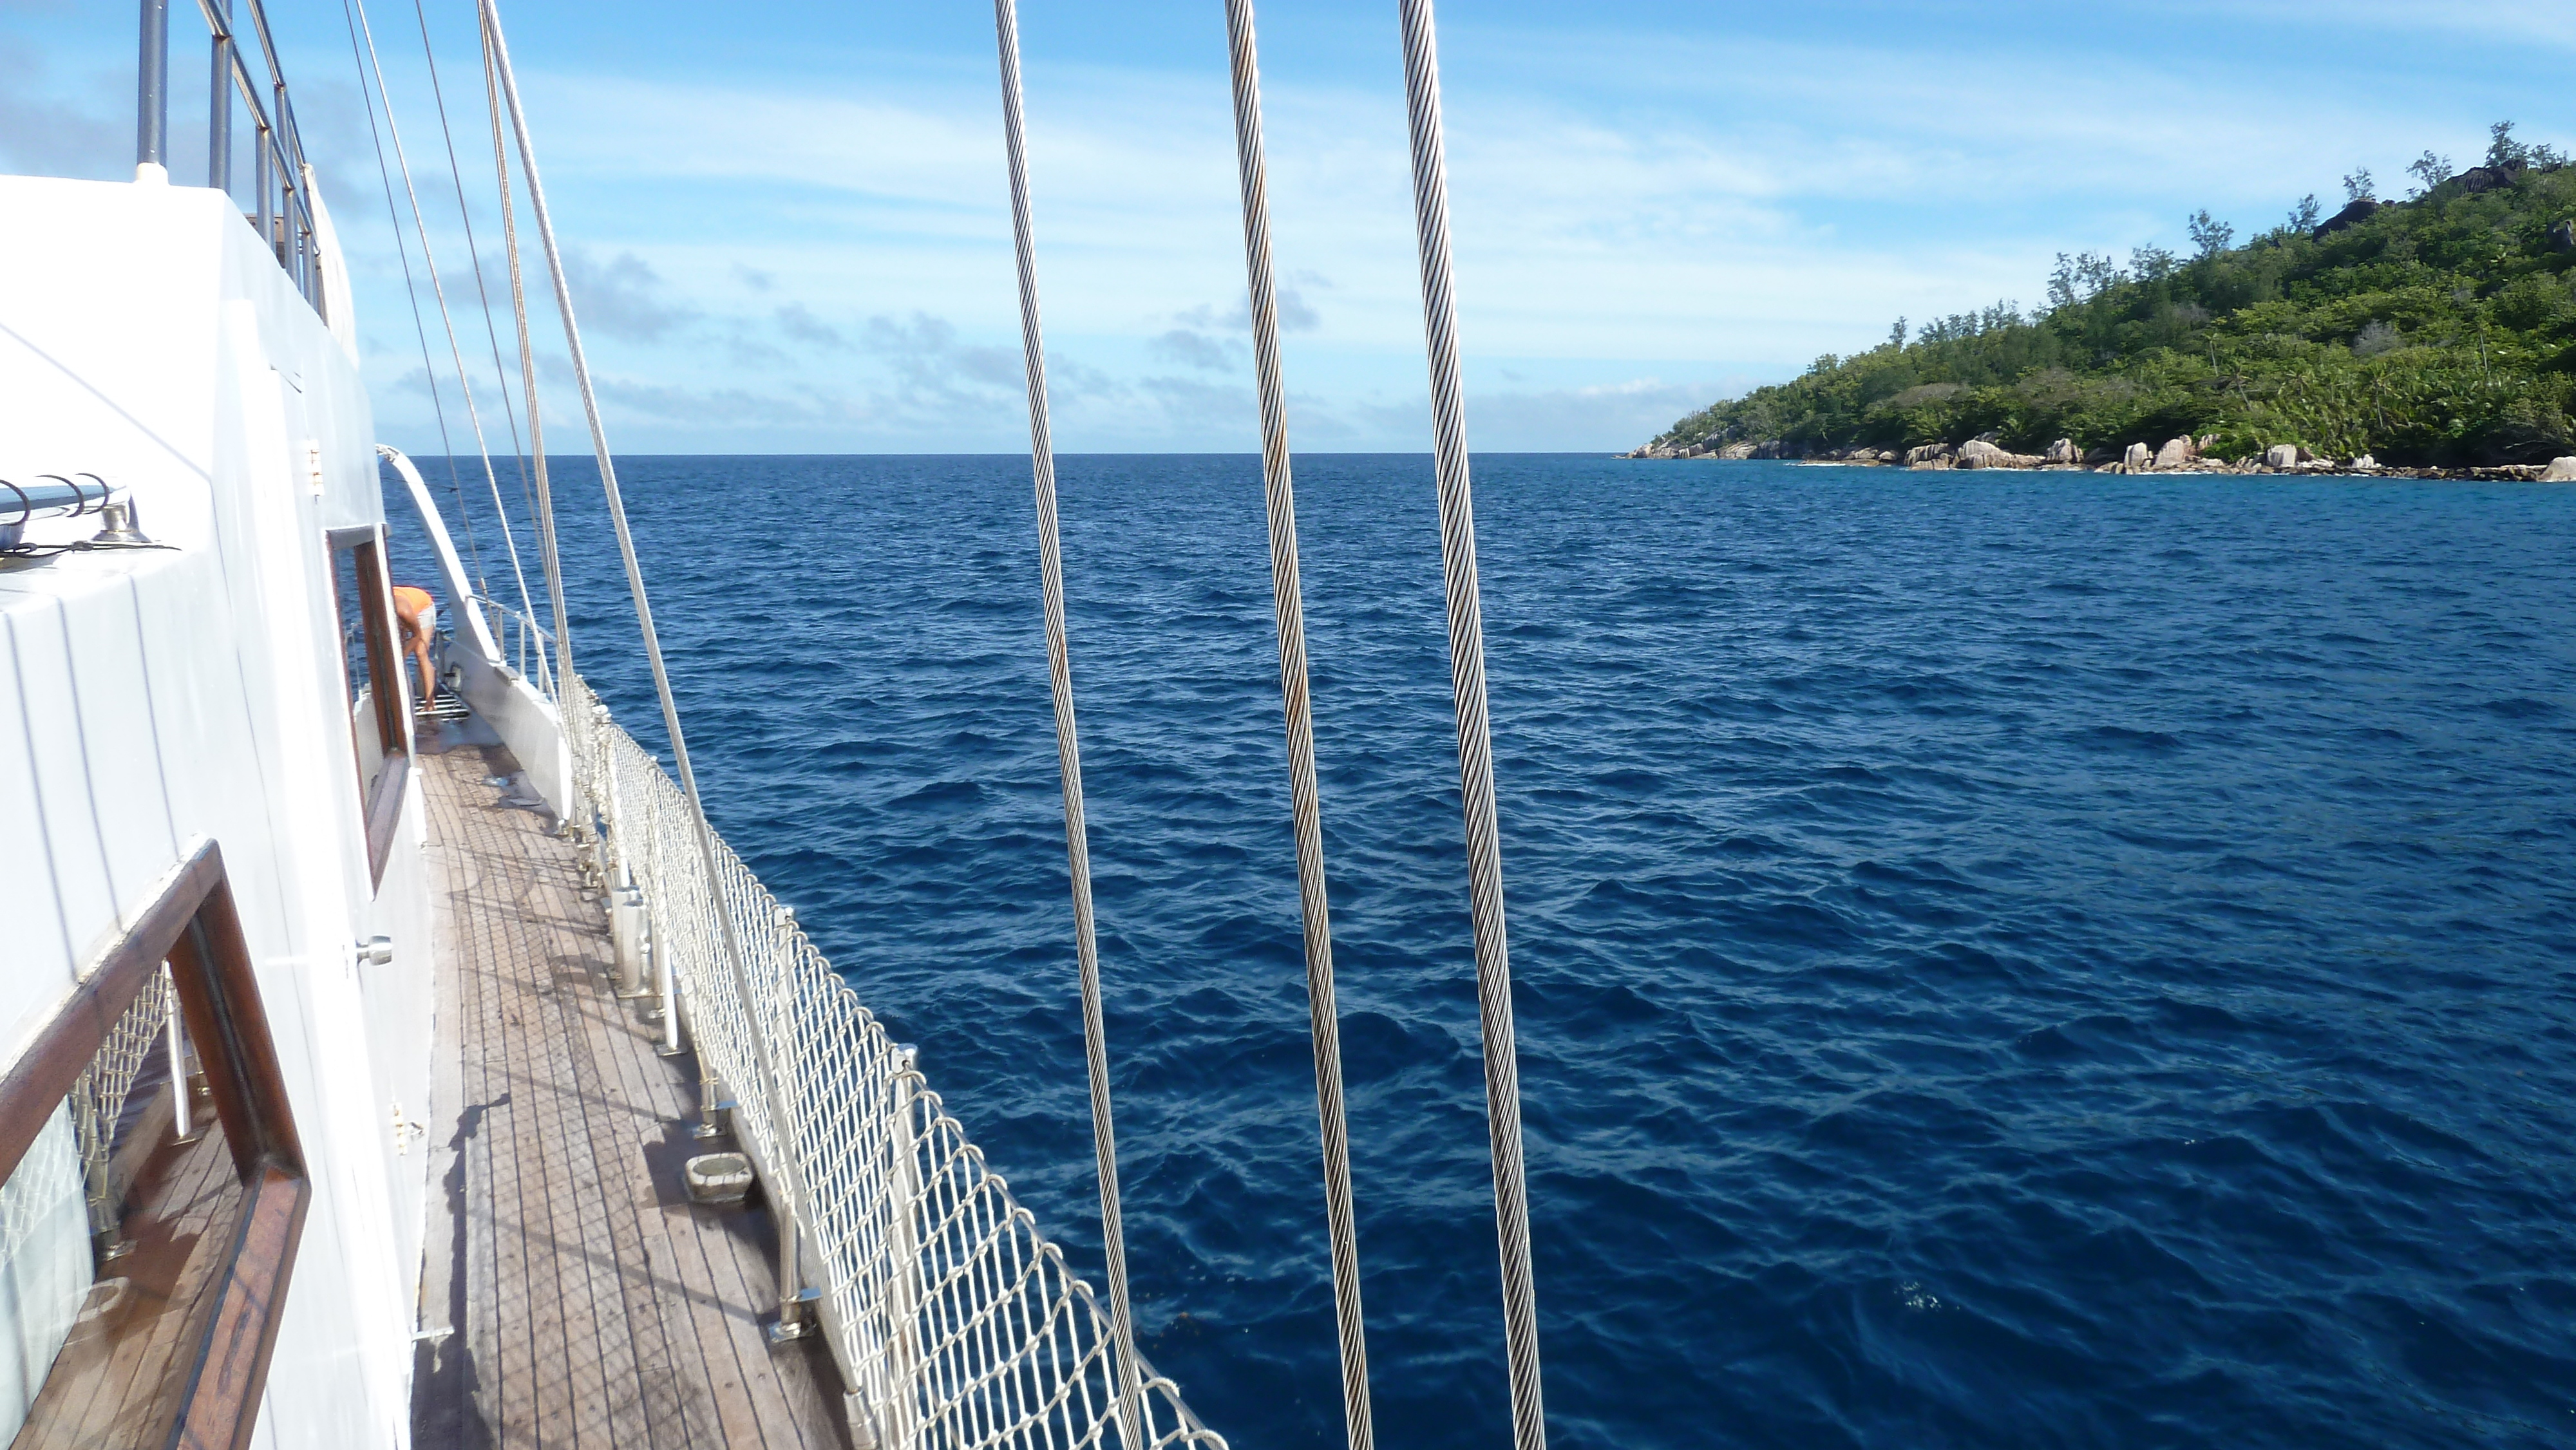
2001,960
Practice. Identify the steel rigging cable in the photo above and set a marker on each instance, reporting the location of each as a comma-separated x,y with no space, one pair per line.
411,292
438,290
1104,1145
792,1312
1475,746
1304,808
544,506
482,293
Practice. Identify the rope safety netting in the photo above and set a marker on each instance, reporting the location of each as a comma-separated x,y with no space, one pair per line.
955,1321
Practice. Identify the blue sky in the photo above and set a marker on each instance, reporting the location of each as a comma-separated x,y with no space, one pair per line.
793,234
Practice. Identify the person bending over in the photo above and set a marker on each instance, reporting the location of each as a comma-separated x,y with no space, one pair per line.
417,614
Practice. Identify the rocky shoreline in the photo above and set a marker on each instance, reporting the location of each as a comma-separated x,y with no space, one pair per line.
2178,455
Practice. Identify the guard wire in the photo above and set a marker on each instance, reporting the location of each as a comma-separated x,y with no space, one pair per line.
411,289
1006,27
788,1213
438,290
547,553
1304,809
483,294
1475,746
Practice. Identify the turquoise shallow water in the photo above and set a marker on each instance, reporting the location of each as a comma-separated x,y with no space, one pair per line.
2002,960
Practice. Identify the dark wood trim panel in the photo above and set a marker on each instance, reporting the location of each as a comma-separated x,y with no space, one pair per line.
196,929
385,684
387,689
220,1406
219,995
384,812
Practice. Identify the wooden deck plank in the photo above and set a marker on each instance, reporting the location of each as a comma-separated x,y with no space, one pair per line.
558,1292
598,1306
488,1174
491,1176
440,1360
590,1131
678,1392
515,1339
113,1379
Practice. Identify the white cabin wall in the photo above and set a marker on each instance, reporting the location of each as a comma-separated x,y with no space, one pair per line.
313,1003
149,699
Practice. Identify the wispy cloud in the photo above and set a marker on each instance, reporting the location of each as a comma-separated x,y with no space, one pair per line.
799,324
1646,207
623,297
1195,349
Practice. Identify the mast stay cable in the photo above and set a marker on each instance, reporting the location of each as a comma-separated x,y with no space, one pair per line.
438,290
792,1314
1304,807
411,294
1475,744
1104,1144
547,556
482,294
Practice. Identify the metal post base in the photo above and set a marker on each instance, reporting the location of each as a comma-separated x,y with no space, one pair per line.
796,1318
863,1425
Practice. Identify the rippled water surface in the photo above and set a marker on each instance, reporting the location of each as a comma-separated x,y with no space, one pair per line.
2020,960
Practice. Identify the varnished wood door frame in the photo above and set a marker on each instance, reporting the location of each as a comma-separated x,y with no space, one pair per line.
194,927
387,687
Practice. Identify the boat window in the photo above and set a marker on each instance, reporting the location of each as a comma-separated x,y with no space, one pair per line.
371,666
154,1192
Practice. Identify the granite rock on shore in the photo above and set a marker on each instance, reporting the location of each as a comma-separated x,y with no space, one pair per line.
2178,455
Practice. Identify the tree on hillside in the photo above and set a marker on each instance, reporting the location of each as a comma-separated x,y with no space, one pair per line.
2503,150
2209,237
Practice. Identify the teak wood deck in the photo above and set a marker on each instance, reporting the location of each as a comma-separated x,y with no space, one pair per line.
112,1388
588,1301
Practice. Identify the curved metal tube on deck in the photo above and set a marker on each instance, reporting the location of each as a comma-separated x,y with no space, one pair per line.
51,496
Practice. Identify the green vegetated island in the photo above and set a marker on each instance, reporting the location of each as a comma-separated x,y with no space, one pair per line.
2431,335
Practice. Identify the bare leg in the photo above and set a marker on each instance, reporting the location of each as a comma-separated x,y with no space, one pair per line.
428,681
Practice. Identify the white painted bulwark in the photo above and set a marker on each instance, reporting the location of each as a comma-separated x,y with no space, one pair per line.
154,698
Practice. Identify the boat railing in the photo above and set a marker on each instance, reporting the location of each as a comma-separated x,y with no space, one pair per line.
281,201
526,646
955,1322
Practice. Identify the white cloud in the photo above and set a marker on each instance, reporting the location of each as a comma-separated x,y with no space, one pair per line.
1696,203
623,297
1196,350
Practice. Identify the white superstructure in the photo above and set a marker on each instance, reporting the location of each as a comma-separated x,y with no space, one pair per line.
152,699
